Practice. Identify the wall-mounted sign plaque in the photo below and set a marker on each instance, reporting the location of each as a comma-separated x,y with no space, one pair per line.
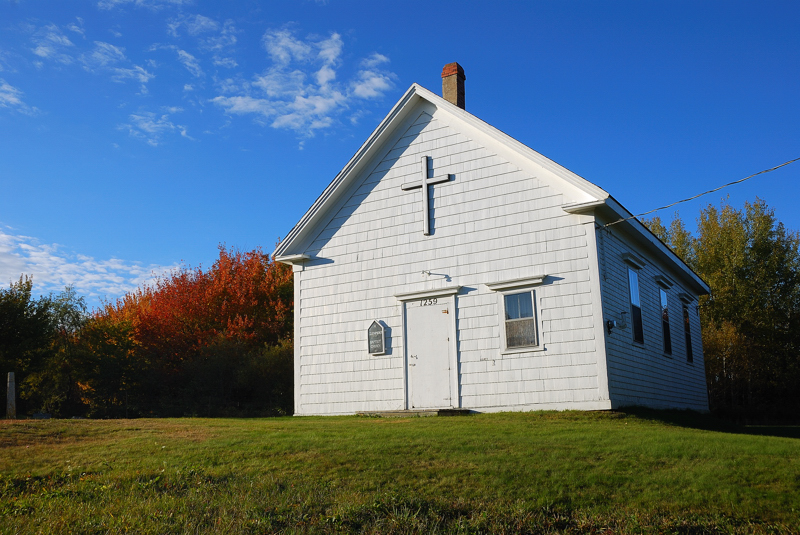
377,339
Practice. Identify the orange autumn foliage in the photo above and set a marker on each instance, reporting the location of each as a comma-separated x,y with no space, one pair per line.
244,298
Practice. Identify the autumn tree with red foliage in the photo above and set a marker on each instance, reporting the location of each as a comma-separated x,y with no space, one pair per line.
215,341
243,298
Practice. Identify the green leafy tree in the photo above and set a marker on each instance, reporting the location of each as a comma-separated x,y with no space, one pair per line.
25,330
112,369
52,383
751,320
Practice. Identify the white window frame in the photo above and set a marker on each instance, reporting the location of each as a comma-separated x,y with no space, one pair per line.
512,287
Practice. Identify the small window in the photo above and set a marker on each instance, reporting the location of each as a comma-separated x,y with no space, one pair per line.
687,330
665,323
636,306
520,320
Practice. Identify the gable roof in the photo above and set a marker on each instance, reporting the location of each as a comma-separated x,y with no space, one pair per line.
587,197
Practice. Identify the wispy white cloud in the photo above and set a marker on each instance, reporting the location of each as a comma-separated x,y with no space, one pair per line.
149,4
52,268
190,62
103,55
151,127
230,85
371,84
11,97
77,27
52,44
330,49
225,39
371,81
246,104
302,90
283,47
135,73
211,35
279,83
194,25
374,60
229,63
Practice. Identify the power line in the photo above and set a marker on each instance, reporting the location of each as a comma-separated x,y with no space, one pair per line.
701,194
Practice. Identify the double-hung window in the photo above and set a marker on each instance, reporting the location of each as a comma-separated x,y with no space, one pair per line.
520,320
636,306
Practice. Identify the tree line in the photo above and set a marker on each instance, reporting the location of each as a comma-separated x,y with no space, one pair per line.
751,320
197,342
219,341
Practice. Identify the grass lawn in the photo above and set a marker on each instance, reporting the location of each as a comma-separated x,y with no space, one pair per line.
568,472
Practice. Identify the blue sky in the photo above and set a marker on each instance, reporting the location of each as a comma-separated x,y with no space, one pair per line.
138,135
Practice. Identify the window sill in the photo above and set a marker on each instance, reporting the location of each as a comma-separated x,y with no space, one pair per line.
517,350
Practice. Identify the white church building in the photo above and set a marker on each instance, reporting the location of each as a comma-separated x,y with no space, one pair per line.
449,266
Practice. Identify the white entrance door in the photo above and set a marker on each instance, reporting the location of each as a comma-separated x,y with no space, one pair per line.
428,326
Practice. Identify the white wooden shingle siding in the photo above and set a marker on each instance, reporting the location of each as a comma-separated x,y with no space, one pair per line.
492,222
643,374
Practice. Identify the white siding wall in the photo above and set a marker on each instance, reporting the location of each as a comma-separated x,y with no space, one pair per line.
642,374
493,222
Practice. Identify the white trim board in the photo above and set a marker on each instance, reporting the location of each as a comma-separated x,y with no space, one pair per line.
421,294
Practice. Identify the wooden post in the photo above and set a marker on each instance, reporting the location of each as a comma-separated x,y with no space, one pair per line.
11,403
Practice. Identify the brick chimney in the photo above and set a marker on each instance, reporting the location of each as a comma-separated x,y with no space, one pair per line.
453,84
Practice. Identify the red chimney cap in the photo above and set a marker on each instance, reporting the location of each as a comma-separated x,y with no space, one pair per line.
453,68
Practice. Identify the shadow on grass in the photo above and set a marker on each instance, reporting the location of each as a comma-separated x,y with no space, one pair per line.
706,422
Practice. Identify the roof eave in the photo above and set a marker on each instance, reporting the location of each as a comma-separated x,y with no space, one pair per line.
373,142
588,189
616,211
292,259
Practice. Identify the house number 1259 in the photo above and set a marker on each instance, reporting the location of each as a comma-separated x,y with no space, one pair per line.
427,302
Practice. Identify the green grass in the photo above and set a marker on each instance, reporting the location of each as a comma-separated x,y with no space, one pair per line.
573,472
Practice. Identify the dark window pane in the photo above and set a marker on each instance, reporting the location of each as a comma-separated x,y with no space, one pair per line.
636,316
633,282
519,306
687,330
512,307
521,332
665,322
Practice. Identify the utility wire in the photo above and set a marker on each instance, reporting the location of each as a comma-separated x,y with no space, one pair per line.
701,194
